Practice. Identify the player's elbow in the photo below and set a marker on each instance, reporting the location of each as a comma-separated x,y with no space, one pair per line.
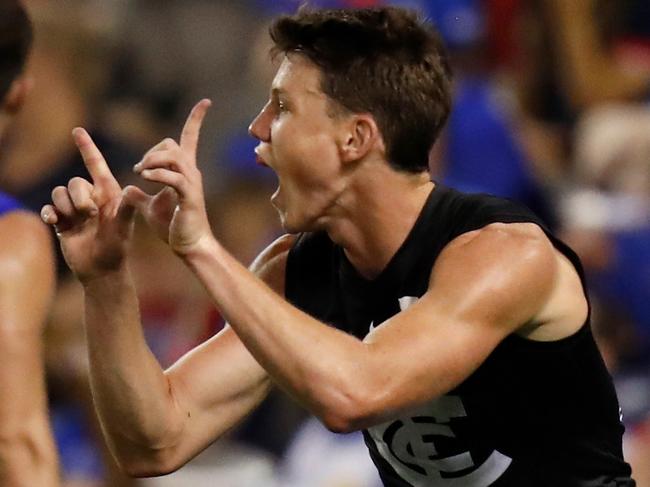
337,423
136,470
146,459
150,464
351,411
349,402
347,421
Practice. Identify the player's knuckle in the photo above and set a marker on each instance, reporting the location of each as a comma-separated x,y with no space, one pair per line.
178,153
148,159
180,181
58,192
77,183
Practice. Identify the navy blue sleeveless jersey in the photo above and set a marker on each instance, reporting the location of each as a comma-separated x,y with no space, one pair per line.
534,414
7,203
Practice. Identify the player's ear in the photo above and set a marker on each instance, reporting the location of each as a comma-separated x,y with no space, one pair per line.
361,135
18,91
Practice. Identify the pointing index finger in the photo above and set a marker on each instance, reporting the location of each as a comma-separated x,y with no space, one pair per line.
190,134
94,161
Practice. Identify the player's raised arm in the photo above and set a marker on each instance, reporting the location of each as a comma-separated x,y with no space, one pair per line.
153,421
414,357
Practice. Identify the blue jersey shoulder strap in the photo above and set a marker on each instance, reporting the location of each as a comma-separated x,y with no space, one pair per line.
7,203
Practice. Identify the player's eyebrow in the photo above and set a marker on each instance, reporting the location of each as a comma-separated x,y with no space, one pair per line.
278,91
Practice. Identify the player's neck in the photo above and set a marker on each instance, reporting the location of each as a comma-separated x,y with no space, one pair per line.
381,208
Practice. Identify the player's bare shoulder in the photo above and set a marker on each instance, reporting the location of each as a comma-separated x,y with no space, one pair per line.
501,275
522,246
564,308
25,241
535,281
271,263
27,277
521,236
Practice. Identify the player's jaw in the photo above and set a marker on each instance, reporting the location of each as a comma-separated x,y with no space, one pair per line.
289,211
301,199
263,158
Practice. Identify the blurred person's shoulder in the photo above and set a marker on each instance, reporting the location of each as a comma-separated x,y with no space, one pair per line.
26,264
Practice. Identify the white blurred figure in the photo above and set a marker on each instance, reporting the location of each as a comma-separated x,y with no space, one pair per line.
224,464
319,458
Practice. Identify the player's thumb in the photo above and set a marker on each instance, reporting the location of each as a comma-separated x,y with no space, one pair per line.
133,199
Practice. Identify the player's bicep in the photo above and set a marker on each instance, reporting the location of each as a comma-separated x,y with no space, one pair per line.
483,286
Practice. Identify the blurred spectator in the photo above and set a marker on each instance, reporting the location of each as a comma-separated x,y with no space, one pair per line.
68,41
27,453
607,220
570,50
612,207
482,150
320,458
585,34
612,203
37,155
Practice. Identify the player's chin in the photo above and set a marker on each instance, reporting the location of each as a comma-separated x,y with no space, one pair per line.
288,225
290,221
292,218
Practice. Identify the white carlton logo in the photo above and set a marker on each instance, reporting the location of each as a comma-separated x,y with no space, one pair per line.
407,444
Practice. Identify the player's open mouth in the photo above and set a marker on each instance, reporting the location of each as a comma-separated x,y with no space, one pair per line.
259,160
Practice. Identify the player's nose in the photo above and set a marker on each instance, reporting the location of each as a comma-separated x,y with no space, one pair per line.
260,127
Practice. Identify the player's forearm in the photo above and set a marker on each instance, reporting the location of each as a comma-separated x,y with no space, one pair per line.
27,451
130,390
584,59
321,367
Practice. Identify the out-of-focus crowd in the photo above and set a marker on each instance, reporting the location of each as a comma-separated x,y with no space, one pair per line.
552,108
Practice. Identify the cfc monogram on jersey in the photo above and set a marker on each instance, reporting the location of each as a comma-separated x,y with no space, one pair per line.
421,448
424,450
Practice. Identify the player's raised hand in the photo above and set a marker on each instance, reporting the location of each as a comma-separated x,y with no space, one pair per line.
92,221
177,213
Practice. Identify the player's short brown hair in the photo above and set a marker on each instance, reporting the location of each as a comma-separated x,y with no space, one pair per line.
382,61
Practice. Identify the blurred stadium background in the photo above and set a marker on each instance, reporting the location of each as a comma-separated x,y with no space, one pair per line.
552,108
